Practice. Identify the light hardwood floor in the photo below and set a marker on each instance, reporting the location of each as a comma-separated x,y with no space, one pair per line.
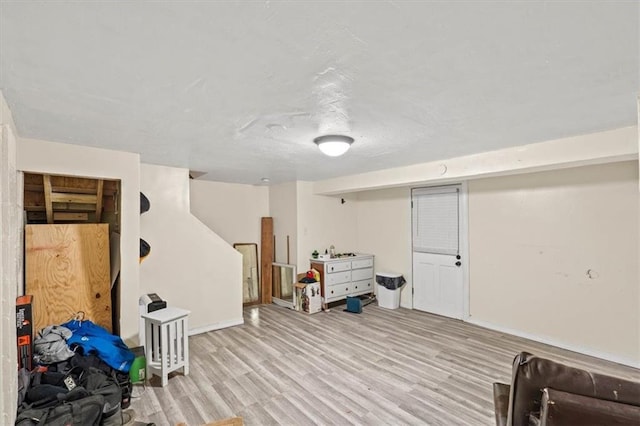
381,367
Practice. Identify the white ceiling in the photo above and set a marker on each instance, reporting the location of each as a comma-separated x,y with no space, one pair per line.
240,89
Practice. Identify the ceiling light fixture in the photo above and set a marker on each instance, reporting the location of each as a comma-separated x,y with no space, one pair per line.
333,145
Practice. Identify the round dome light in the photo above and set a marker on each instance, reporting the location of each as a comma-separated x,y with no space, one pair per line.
333,145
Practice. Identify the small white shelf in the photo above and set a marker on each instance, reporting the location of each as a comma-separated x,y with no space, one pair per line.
167,342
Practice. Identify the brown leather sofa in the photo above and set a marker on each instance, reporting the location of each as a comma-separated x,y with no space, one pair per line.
547,393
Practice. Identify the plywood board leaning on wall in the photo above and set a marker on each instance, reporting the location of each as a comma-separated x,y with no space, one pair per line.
67,271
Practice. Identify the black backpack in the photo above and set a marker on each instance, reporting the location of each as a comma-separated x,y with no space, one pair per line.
91,360
99,383
75,408
52,396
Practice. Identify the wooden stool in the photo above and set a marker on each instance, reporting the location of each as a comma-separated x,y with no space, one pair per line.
166,342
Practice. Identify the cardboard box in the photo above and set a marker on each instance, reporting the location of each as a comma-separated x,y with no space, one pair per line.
24,331
311,298
298,296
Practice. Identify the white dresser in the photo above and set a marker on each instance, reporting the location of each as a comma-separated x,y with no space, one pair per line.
345,276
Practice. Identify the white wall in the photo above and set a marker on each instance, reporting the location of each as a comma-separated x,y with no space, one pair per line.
324,221
231,210
74,160
595,148
189,266
611,149
312,222
283,208
10,263
384,229
555,255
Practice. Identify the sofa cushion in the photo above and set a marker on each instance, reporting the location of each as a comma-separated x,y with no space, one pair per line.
566,409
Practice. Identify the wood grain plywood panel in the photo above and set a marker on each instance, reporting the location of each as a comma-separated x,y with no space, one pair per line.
67,271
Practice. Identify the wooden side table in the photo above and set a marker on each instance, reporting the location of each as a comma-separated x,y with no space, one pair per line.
167,342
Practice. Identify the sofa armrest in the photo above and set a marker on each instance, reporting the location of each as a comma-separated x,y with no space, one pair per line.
501,402
565,409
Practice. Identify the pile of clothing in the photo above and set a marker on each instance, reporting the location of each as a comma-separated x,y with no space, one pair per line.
78,363
58,343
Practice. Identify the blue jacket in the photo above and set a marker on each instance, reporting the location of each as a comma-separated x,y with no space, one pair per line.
94,339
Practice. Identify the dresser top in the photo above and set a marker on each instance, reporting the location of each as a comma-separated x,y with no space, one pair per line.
351,256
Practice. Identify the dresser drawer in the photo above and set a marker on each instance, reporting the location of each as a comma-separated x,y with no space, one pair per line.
337,278
361,274
338,267
362,263
346,289
362,286
338,290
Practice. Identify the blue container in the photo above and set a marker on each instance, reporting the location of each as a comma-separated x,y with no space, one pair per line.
354,304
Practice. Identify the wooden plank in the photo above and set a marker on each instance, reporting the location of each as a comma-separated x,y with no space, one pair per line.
99,200
32,198
74,182
46,181
266,258
67,271
74,207
108,204
32,178
288,259
68,197
35,215
74,190
39,188
70,216
68,207
42,216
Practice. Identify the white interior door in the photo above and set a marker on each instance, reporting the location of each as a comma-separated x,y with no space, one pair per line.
438,276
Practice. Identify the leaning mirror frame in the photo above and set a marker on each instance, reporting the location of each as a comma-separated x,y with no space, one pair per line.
251,294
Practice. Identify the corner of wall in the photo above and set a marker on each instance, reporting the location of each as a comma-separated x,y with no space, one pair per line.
10,262
283,208
6,116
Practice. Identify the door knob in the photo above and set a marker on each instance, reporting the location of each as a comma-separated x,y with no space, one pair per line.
458,263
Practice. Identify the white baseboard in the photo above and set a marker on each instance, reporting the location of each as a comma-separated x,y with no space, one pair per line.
216,326
554,342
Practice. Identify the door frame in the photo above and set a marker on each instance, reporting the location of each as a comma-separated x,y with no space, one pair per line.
463,217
